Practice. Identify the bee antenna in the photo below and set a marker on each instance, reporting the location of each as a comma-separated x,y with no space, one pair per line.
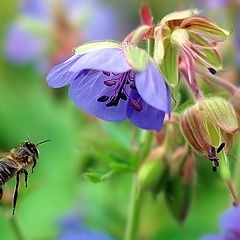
48,140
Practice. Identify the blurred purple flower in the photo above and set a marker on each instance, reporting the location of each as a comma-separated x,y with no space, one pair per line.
230,224
72,228
216,3
47,31
104,84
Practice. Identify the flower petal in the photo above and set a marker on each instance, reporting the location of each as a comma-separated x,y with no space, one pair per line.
93,46
110,60
179,15
169,65
85,91
213,237
151,87
107,59
148,118
205,28
21,46
230,220
60,75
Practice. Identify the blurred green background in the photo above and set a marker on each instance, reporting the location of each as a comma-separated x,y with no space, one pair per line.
29,108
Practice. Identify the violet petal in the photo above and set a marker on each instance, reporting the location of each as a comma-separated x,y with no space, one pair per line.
89,87
152,88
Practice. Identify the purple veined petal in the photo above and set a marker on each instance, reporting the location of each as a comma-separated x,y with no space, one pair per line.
151,87
230,220
214,237
107,59
60,75
22,46
148,118
85,91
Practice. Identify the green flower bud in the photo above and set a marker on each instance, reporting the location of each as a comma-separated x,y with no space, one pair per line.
151,169
179,189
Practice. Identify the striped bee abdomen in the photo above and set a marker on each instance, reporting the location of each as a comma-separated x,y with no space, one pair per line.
7,171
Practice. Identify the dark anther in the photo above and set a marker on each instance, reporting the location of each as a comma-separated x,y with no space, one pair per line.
109,83
123,96
213,152
106,73
103,98
135,105
214,168
212,71
133,86
220,148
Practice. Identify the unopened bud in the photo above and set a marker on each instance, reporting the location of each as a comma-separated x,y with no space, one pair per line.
151,169
179,189
208,126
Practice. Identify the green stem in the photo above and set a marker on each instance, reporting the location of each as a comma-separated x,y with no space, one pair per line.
218,81
151,46
16,228
134,213
236,176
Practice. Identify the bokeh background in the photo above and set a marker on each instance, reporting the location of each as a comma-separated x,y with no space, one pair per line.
60,203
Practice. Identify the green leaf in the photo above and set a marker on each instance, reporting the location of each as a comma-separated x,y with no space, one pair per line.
136,57
98,177
169,66
92,46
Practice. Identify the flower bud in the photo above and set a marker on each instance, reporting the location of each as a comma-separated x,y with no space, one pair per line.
151,169
179,189
208,126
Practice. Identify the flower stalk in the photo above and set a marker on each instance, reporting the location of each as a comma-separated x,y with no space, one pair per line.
132,227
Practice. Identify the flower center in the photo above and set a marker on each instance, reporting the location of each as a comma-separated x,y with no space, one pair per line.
120,85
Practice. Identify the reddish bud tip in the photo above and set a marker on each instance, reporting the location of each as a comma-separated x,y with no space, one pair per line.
146,15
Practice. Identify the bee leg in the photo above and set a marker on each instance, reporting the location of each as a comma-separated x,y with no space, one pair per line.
1,193
34,164
15,193
24,171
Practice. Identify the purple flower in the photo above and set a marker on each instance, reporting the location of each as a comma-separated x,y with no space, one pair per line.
72,228
230,224
216,3
46,31
104,83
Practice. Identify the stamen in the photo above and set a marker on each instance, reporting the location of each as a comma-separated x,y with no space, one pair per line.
212,71
123,96
109,82
106,73
103,98
135,105
133,86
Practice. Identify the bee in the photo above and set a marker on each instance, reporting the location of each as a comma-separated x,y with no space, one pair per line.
16,162
213,156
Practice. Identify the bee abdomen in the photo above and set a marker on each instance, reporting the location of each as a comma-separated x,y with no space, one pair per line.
7,171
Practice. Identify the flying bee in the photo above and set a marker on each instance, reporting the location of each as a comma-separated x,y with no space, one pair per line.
213,156
16,162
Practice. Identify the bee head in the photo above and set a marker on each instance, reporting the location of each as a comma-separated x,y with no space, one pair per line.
32,148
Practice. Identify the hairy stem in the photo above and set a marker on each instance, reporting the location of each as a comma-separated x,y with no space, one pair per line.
218,81
233,192
134,213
